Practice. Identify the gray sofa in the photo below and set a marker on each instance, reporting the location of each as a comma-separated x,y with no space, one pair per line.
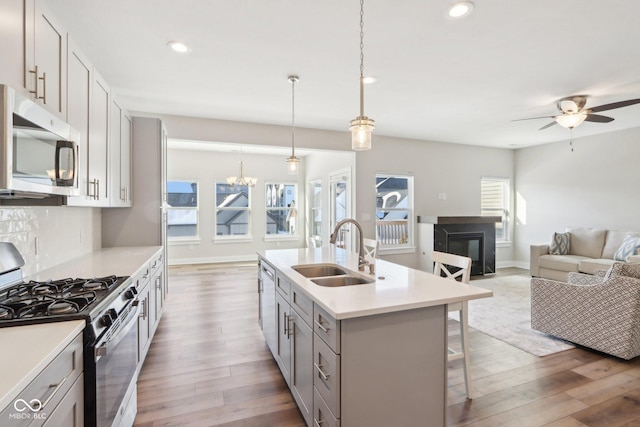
590,249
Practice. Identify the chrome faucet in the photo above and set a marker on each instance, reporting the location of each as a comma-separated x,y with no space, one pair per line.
334,236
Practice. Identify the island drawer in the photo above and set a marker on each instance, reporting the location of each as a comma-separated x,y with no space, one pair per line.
283,285
326,327
326,375
46,391
302,304
322,415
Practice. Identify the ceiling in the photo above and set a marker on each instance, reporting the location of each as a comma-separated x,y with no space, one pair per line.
440,79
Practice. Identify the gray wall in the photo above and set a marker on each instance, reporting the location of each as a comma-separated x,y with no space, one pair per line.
596,185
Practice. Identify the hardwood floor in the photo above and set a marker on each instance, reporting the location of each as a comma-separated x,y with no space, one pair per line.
208,365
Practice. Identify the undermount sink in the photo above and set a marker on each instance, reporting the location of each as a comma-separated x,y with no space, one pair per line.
341,281
319,270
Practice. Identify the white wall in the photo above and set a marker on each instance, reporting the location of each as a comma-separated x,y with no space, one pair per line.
206,167
437,167
60,234
596,185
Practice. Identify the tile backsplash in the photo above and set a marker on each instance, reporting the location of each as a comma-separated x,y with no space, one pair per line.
48,236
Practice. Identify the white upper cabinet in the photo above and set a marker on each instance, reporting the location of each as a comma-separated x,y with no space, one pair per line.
45,57
79,84
99,142
11,47
120,154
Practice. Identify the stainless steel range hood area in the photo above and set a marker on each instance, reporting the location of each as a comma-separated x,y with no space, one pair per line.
38,152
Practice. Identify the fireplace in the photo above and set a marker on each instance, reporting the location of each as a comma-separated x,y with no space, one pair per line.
471,236
470,245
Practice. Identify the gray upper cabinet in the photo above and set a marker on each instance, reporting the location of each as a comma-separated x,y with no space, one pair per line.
45,57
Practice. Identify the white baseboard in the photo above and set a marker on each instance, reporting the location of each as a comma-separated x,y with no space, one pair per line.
213,260
512,263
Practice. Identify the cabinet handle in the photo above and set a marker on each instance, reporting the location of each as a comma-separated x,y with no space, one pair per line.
260,287
322,328
289,329
143,314
97,189
123,194
317,423
268,273
321,372
35,92
53,393
285,329
44,87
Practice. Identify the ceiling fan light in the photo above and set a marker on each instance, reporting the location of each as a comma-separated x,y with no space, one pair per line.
570,120
460,9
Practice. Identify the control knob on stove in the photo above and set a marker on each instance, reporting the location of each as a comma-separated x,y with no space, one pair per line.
108,318
131,293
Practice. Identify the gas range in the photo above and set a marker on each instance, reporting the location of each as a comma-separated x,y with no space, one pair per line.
63,299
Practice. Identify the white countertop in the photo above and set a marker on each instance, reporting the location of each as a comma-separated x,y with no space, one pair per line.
27,350
121,261
396,287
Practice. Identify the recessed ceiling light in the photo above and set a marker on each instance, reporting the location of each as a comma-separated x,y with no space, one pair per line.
369,80
179,47
460,9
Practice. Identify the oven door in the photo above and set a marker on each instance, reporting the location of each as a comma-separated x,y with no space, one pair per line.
116,359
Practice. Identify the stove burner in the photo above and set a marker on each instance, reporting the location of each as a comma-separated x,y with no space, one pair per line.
6,313
93,286
42,290
62,307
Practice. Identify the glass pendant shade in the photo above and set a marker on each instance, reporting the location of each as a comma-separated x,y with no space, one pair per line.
570,120
292,165
361,130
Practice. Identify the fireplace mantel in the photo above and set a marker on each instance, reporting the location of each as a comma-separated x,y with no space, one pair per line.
459,219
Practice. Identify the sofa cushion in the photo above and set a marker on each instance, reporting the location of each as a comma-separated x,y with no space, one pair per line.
560,244
629,246
613,241
590,265
560,262
587,242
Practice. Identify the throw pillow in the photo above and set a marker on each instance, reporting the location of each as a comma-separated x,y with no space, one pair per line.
560,244
629,246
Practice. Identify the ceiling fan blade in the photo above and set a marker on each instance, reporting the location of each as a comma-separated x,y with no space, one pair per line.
533,118
614,105
548,125
598,118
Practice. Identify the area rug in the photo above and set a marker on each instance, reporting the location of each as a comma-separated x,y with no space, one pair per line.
507,315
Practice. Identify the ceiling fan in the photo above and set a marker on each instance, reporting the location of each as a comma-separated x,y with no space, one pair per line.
573,113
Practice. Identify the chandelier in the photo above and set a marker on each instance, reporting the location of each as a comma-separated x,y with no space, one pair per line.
241,180
293,161
362,126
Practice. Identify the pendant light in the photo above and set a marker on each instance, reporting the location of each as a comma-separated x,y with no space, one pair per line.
362,126
293,161
241,180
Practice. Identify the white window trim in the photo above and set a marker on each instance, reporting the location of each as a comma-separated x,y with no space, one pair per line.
506,181
282,237
178,240
410,246
235,238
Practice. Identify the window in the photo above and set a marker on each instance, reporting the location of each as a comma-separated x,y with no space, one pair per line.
182,213
233,211
281,209
315,209
394,210
494,198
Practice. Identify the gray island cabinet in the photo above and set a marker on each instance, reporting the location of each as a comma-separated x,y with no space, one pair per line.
372,354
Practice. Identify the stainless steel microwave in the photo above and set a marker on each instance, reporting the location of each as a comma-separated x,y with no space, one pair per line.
38,151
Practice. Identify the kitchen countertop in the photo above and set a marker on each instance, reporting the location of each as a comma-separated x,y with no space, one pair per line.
119,261
27,350
396,288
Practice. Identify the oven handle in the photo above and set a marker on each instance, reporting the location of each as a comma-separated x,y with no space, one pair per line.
131,321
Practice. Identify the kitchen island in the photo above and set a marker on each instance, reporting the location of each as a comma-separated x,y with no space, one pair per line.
371,354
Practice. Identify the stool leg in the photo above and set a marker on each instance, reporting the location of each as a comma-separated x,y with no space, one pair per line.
464,336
